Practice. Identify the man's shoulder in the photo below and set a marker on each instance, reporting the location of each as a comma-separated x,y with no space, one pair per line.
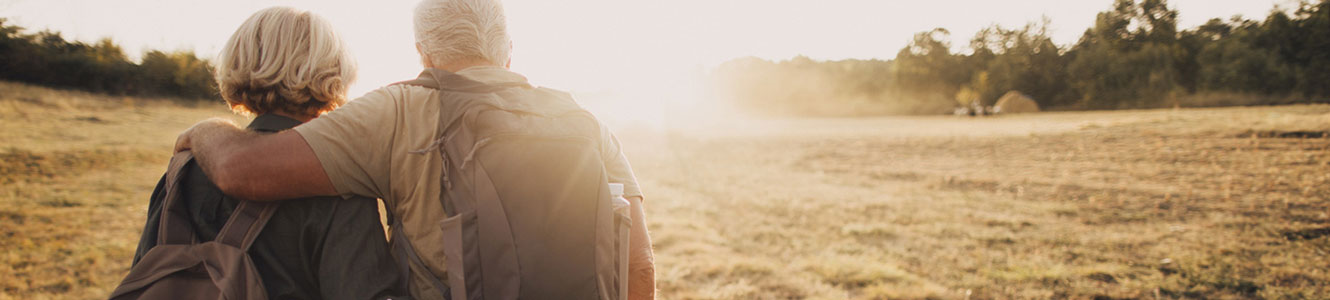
399,91
554,93
542,97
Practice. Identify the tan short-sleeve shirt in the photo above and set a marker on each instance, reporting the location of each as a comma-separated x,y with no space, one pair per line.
365,148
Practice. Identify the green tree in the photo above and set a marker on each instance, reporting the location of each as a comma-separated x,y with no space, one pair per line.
1130,58
46,58
927,70
1134,56
1233,60
1025,60
1313,50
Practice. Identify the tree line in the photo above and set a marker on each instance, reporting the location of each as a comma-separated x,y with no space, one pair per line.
47,58
1134,56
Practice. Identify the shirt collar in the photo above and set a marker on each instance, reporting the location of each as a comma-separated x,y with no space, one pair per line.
493,75
272,123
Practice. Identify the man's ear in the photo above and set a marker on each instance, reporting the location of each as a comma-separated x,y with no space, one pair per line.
424,58
509,64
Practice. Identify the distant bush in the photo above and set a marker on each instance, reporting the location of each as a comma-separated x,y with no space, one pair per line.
1134,56
46,58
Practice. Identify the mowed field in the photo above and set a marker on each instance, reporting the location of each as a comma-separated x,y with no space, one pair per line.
1190,203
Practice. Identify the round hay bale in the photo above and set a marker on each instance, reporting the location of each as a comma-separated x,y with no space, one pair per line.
1015,103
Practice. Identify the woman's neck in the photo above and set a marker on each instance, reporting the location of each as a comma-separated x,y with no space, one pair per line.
302,119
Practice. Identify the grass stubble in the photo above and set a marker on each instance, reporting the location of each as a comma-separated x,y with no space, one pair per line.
1194,203
76,171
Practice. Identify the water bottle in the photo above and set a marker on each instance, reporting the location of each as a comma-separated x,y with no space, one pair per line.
623,218
616,196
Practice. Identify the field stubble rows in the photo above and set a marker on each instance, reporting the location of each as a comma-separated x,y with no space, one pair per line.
1139,204
1108,205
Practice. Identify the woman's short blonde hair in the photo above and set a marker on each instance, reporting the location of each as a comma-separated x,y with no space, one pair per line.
284,59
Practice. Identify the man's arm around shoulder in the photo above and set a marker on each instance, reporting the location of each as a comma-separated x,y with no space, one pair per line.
253,166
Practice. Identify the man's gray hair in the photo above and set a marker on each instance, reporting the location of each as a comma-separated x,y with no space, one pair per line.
453,31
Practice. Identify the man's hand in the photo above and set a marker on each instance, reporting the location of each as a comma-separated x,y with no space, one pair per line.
184,141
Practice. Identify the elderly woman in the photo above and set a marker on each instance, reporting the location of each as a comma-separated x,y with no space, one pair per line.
286,67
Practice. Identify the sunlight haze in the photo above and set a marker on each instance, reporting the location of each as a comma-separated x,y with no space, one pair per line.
597,45
767,149
644,50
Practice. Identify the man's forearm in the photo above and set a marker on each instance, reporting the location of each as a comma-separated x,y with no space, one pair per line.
254,166
211,147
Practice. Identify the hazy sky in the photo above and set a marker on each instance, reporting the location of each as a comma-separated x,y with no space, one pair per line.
599,45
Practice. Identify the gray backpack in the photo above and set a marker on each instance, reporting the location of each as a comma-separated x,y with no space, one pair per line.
528,207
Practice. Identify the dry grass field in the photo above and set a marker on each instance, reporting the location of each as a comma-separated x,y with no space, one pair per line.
76,171
1193,203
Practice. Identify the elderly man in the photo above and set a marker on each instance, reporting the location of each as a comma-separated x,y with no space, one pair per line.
377,146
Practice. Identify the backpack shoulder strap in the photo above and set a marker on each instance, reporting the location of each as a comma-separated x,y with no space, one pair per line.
175,227
246,223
